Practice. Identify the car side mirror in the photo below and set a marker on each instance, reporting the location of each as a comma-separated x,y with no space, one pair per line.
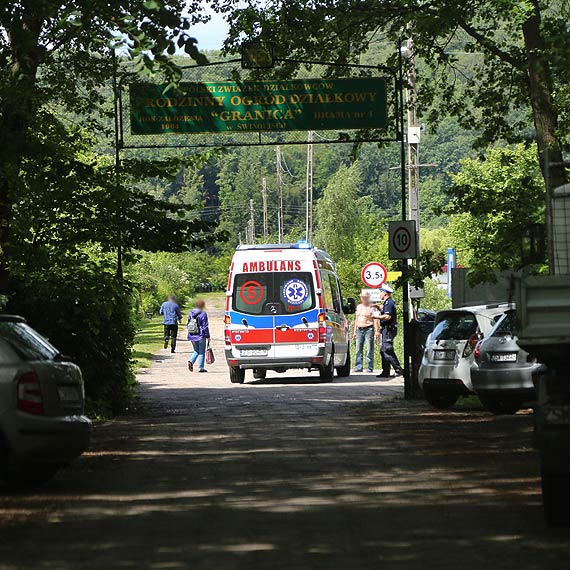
350,307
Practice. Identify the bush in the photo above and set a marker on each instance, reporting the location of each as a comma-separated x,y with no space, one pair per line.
85,311
157,275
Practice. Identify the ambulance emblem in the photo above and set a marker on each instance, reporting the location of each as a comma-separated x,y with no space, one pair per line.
295,292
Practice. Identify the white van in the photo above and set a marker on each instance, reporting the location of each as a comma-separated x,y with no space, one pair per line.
445,371
285,310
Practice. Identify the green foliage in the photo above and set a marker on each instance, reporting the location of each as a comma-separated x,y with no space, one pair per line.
339,212
157,275
498,66
436,298
494,199
84,310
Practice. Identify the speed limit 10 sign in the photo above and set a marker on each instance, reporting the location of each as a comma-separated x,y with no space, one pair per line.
403,240
374,275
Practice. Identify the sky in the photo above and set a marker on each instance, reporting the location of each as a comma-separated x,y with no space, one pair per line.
211,35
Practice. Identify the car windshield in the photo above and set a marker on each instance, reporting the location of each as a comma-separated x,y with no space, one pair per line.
455,326
273,293
26,342
506,325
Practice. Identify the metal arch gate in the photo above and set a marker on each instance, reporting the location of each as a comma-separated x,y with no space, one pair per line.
129,141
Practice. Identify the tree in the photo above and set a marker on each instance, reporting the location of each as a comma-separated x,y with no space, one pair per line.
493,200
57,53
523,47
340,213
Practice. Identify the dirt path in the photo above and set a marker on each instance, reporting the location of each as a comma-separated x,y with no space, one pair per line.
288,474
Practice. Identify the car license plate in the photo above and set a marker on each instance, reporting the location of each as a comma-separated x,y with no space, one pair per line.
557,415
444,354
253,352
504,357
68,393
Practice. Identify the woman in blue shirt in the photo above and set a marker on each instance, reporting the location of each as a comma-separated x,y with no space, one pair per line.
198,334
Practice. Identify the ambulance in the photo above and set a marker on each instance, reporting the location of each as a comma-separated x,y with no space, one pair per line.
285,310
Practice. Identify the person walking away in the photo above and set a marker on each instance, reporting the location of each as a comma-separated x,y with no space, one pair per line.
198,334
363,333
171,316
389,329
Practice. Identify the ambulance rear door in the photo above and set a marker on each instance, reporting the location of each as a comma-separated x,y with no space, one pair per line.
274,313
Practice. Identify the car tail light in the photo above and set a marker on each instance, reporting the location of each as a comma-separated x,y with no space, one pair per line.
471,344
30,394
477,351
322,327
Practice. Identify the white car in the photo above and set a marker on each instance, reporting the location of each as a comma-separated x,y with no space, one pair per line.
42,421
445,372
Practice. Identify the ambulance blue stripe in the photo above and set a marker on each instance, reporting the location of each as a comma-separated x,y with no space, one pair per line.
266,321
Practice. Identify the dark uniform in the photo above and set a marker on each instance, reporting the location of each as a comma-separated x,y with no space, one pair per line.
389,332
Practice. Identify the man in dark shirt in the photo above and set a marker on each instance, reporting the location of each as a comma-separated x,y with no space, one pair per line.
389,323
171,316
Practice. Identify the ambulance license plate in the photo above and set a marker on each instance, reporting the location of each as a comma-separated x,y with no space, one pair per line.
253,352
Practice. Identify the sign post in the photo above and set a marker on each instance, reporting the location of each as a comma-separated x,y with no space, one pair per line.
450,266
402,239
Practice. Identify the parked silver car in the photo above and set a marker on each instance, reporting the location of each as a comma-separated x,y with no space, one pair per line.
42,421
445,371
501,372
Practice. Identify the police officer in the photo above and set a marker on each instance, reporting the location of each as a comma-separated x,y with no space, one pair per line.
389,329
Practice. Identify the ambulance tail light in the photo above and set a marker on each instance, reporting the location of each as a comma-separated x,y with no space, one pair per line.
227,320
322,327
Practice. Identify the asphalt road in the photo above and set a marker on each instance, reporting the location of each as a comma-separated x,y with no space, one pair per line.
288,473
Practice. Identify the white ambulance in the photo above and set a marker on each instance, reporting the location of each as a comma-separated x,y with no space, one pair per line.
284,310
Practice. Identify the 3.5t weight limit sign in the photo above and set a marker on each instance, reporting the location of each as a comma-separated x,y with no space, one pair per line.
374,275
403,242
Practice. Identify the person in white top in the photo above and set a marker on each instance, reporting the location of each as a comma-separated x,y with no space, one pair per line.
363,333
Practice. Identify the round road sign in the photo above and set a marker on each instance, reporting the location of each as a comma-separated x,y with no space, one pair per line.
374,275
402,239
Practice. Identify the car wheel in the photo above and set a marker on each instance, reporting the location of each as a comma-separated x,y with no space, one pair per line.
500,407
326,371
440,399
259,374
556,498
344,370
237,375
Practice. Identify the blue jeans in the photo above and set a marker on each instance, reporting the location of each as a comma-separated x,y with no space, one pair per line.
364,336
199,353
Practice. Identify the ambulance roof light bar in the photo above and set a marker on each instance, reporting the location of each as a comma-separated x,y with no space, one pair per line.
263,246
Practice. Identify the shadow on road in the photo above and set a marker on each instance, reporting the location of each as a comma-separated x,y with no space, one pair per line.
256,479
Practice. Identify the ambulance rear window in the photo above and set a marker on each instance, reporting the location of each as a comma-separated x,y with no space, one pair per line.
273,293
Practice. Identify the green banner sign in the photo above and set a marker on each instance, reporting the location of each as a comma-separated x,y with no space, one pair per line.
259,106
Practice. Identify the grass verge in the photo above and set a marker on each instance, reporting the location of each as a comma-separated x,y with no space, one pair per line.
148,341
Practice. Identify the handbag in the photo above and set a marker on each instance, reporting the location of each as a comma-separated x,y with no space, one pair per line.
210,357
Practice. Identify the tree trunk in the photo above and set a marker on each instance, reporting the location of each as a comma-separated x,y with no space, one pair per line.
16,114
545,115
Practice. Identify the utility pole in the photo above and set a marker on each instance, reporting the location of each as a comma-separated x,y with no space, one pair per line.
264,198
414,133
251,224
309,225
279,195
